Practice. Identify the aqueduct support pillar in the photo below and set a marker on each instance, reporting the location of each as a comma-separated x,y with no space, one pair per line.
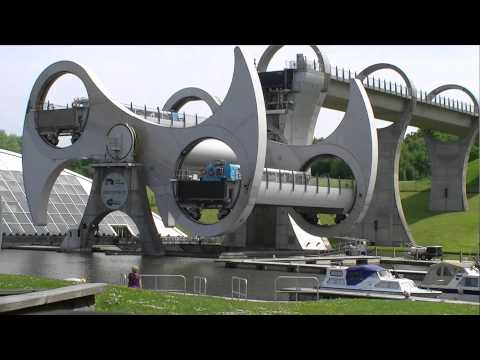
449,162
267,227
384,223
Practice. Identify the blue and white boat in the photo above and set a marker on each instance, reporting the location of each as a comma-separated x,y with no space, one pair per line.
372,278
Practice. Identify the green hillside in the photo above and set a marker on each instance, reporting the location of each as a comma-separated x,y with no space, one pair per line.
473,176
454,230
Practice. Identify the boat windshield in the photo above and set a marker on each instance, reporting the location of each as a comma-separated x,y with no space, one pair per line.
385,274
408,285
357,274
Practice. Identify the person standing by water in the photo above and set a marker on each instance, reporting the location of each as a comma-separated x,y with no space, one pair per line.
134,280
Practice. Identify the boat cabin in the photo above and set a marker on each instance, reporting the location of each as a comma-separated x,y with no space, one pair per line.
352,276
452,277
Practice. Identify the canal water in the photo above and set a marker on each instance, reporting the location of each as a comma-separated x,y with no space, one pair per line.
98,267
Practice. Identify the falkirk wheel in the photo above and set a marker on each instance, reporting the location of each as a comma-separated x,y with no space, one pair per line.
131,152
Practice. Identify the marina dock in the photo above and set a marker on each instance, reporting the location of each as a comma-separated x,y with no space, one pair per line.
320,264
304,293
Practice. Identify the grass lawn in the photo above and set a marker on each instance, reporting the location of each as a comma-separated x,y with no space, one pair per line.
119,299
455,231
473,176
415,185
8,281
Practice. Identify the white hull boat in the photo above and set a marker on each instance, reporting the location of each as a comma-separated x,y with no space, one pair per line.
372,278
449,277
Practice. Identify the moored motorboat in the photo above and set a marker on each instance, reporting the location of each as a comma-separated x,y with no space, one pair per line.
372,278
453,277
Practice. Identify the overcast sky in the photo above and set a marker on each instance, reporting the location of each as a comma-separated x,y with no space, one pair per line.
148,75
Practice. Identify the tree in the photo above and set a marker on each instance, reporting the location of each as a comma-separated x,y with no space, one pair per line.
13,143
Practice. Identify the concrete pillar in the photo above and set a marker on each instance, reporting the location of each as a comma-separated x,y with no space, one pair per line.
267,227
385,223
307,99
136,206
449,162
310,88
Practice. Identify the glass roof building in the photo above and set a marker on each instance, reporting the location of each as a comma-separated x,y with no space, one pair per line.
66,206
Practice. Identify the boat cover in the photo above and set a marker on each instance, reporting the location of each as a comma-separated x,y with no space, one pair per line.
356,274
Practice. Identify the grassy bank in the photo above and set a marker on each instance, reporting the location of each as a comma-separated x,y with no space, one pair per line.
119,299
455,231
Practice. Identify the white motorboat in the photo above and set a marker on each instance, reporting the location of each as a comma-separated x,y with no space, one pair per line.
462,278
372,278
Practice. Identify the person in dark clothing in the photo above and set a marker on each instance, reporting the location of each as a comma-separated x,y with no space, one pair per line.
134,280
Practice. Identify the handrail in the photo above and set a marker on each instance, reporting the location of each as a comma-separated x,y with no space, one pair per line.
156,277
123,279
173,240
201,280
239,281
150,114
272,175
382,85
296,278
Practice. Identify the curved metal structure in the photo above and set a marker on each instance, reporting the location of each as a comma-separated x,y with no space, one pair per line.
269,53
447,87
184,96
239,122
237,132
355,142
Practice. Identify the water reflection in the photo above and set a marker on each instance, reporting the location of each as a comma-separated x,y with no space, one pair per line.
98,267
